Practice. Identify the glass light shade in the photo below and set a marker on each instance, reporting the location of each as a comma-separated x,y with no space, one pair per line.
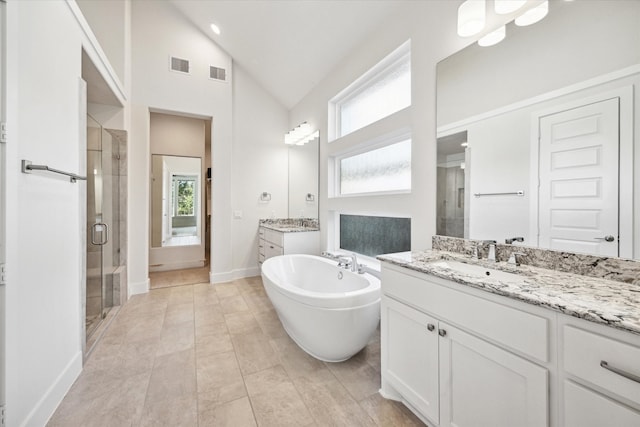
471,17
534,15
503,7
493,37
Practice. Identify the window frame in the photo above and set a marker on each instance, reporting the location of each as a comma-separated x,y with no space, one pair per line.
372,145
378,72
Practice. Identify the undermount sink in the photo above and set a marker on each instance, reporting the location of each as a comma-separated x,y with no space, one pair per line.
478,271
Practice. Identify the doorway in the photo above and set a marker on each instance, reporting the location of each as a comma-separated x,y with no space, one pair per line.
180,188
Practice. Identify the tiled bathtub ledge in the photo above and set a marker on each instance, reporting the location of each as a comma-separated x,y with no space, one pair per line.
291,225
608,302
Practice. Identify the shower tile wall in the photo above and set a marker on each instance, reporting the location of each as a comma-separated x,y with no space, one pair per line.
120,227
450,201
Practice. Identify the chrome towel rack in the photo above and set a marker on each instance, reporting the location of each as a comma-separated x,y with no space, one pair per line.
509,193
27,167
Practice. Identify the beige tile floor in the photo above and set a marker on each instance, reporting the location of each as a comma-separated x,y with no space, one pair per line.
189,276
217,355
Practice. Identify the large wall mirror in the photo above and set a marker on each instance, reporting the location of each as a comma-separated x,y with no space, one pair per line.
538,135
303,179
176,201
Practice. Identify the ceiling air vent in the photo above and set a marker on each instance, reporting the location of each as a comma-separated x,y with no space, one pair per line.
217,73
178,64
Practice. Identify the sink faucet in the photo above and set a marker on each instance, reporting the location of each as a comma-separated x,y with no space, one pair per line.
492,250
513,239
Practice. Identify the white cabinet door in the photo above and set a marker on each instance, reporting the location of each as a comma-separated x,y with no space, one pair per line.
410,343
586,408
482,385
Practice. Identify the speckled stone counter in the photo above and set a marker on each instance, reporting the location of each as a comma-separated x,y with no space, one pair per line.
291,225
607,302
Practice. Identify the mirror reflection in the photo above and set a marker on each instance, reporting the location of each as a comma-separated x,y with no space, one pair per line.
303,179
176,201
536,134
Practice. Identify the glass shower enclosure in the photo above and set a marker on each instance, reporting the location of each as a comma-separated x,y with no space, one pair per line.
103,224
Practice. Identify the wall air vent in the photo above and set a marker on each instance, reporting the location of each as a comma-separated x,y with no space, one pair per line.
217,73
178,64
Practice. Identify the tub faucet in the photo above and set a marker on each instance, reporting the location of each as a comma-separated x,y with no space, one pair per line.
354,262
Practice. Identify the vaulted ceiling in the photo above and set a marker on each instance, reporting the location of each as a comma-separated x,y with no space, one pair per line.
288,46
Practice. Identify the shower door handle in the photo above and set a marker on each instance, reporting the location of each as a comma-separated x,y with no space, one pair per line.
94,228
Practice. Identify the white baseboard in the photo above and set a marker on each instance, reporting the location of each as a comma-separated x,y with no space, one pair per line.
233,274
139,288
182,265
49,402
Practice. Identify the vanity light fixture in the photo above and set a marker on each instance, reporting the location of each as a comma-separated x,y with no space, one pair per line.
462,165
300,135
493,37
464,144
534,15
215,29
503,7
471,17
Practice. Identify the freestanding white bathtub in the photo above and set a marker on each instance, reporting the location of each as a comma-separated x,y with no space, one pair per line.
328,311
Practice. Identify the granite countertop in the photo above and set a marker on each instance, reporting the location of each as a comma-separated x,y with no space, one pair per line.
602,301
291,225
289,228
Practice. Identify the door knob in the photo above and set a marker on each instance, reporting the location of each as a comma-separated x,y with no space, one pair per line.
442,332
608,238
430,326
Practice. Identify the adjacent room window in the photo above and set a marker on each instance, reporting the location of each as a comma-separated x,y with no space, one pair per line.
380,92
184,192
375,235
384,169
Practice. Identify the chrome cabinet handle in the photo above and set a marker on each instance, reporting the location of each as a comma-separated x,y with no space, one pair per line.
430,327
608,238
94,228
620,372
442,332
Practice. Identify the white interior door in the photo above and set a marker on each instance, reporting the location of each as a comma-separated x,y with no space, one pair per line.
578,172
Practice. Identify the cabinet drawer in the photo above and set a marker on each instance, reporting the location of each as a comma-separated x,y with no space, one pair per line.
261,245
510,327
585,351
273,236
586,408
272,250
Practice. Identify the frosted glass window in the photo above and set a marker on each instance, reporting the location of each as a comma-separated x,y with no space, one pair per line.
384,94
383,169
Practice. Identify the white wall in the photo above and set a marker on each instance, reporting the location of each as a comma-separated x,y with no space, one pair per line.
575,42
431,26
108,22
259,164
248,156
44,249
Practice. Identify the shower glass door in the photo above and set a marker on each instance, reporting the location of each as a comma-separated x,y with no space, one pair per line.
102,199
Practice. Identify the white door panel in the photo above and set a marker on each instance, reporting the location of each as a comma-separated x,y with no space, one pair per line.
578,171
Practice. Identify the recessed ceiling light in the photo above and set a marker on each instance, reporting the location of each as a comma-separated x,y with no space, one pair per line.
215,28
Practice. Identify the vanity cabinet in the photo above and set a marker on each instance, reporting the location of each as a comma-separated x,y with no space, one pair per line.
600,377
448,356
273,243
